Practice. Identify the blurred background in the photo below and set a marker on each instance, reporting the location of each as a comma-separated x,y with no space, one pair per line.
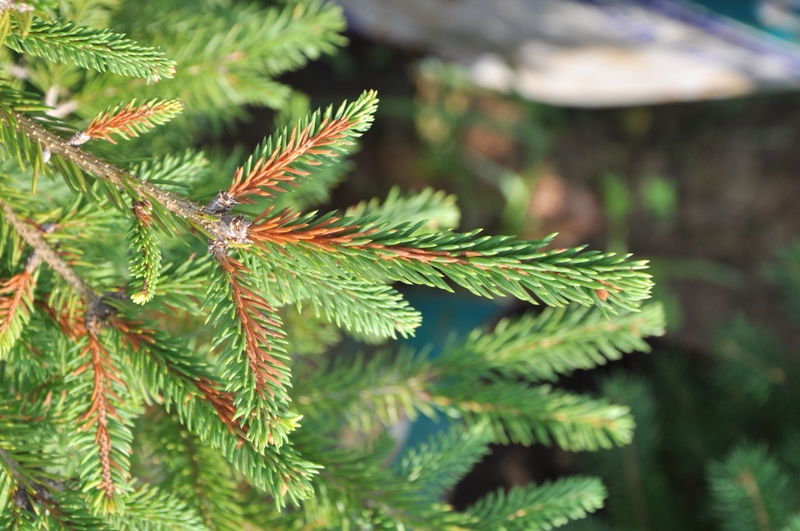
667,129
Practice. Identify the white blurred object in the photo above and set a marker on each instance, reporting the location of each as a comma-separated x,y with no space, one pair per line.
781,15
591,53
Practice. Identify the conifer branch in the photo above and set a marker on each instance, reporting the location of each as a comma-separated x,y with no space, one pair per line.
146,260
446,457
232,413
216,225
129,121
280,161
253,343
539,507
122,179
39,498
100,50
33,238
194,460
213,414
103,373
487,266
261,328
357,485
372,309
151,509
436,209
195,472
517,413
748,488
152,351
557,341
16,301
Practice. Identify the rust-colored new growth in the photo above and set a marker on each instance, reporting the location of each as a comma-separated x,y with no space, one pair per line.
129,120
104,374
13,294
280,230
253,312
267,175
222,403
71,325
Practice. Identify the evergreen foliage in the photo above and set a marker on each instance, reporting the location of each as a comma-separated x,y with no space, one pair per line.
716,443
158,385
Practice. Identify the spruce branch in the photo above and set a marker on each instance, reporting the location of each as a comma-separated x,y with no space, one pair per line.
129,121
375,310
180,284
539,507
287,156
195,394
16,302
487,266
261,328
18,145
175,377
33,238
103,373
752,362
517,413
195,472
216,226
40,500
364,393
171,374
146,259
173,168
224,419
557,341
100,50
229,53
446,457
750,490
380,390
149,509
435,209
252,354
111,473
356,488
122,179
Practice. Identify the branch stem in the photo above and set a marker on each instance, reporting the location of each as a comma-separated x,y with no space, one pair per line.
33,238
177,204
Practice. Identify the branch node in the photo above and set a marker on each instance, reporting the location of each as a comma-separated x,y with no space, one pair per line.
79,139
98,312
234,228
142,209
218,248
224,201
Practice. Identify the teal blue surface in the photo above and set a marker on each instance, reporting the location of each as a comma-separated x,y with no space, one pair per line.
741,10
445,316
744,11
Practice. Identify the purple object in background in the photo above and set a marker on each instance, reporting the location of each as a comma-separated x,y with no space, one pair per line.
588,53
